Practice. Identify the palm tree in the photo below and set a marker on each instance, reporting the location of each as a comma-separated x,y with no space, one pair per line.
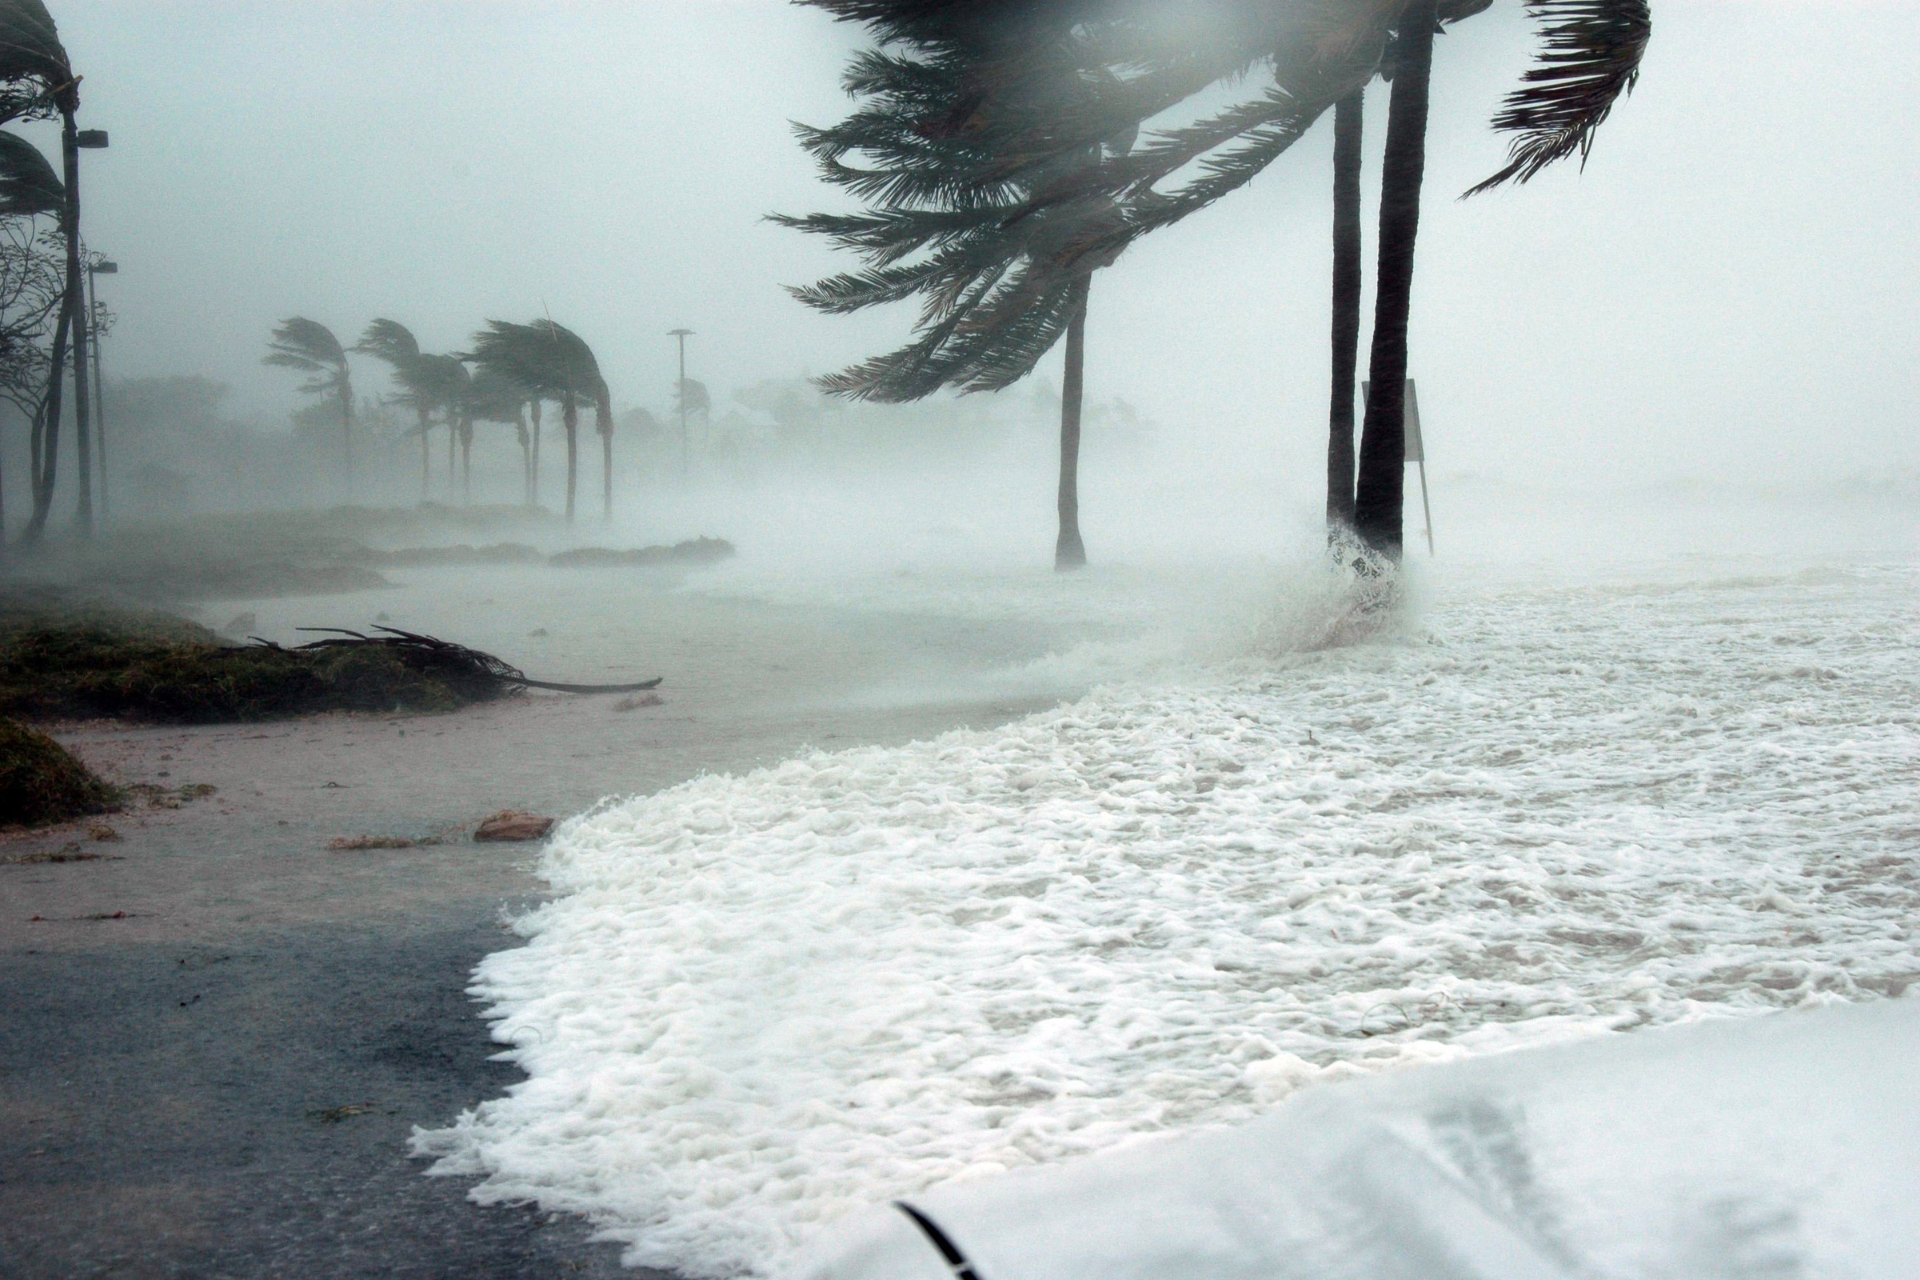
310,347
1000,251
392,342
1129,67
554,363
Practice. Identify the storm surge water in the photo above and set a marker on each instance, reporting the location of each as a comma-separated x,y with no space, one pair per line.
1279,846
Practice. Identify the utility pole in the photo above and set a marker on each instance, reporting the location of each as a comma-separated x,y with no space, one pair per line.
686,456
100,266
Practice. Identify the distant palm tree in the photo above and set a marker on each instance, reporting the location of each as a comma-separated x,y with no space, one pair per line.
556,364
310,347
394,343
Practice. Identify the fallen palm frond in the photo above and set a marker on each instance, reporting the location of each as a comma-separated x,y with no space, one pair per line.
443,657
79,663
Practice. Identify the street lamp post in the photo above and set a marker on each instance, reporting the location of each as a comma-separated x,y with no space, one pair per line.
686,457
99,267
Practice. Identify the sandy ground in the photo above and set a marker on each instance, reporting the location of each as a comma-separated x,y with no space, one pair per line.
218,1034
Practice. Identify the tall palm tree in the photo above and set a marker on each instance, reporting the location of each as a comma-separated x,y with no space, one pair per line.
310,347
998,250
1132,63
393,343
556,364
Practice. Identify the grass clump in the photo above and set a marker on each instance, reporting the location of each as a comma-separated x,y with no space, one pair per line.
41,781
126,666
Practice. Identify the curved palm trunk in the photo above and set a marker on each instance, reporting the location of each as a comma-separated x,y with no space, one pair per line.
453,451
533,481
1348,115
46,433
76,302
570,421
1068,551
1383,450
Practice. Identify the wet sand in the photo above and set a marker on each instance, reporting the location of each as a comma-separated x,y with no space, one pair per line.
220,1033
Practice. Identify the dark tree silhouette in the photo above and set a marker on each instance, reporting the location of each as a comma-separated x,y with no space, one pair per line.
554,363
1013,164
310,347
393,343
999,252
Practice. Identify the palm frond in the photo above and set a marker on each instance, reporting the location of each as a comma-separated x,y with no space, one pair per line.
391,341
1590,57
36,78
28,184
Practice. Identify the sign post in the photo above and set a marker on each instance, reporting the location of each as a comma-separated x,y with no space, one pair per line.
1416,451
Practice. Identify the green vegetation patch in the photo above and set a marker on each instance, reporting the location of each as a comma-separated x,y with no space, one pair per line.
41,781
149,667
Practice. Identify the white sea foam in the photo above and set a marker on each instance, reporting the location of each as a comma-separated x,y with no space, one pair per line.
762,1001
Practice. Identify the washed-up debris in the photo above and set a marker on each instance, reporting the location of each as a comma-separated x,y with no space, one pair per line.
69,852
634,704
334,1115
159,797
429,652
511,825
342,844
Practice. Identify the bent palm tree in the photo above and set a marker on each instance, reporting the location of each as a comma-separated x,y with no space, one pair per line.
310,347
556,364
394,344
999,250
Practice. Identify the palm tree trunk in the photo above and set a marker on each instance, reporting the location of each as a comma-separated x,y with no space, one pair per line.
466,462
533,481
46,432
1383,450
570,420
346,429
1348,115
526,455
76,301
426,458
453,445
1068,551
603,420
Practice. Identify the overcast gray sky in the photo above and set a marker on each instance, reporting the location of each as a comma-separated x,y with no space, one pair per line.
1731,283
